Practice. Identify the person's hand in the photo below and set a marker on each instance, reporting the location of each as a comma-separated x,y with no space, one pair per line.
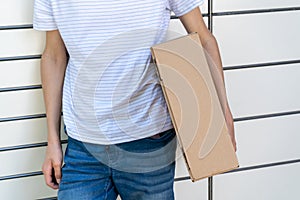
230,126
52,165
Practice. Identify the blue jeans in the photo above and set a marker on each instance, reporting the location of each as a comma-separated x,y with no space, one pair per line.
137,170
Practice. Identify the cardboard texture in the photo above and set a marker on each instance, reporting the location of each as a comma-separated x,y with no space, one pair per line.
194,106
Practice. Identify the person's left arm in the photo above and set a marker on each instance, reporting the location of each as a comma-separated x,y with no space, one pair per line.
193,22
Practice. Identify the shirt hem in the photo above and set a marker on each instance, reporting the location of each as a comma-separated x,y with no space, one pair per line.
37,28
111,142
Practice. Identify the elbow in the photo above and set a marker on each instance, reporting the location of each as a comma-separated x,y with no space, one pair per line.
54,64
209,41
57,58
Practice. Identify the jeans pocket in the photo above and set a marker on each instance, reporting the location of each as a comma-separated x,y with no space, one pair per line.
164,136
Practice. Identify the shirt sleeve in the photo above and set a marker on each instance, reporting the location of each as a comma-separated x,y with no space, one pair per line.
43,19
181,7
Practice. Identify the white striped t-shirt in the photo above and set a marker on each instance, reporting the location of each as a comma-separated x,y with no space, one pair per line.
111,92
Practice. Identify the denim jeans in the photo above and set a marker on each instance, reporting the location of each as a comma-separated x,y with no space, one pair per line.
138,170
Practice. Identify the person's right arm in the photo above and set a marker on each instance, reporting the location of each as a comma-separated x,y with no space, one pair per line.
53,66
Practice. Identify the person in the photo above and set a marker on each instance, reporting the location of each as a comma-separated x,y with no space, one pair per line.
96,67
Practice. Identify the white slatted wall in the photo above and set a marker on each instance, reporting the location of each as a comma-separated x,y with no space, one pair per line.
260,47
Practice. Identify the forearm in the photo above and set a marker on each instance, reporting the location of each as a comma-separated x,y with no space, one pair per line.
52,75
193,22
214,60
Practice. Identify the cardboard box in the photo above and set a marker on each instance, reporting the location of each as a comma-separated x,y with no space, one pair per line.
194,106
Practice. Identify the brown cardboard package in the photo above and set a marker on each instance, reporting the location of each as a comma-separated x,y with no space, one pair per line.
194,106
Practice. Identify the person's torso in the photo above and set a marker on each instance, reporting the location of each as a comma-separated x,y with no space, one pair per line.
111,93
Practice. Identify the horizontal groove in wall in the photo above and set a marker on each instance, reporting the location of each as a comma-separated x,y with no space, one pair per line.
13,89
182,178
48,198
26,117
25,175
27,146
14,58
267,116
264,166
12,27
268,64
175,17
256,11
249,168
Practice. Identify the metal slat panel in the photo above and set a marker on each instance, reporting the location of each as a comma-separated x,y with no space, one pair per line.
25,188
20,73
233,5
191,191
21,42
268,140
265,90
276,183
15,12
25,132
259,38
21,103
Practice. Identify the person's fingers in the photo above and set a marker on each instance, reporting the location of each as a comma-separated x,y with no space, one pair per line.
57,172
234,143
232,135
47,171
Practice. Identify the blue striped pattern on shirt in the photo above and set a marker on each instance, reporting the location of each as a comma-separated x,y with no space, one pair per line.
111,92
